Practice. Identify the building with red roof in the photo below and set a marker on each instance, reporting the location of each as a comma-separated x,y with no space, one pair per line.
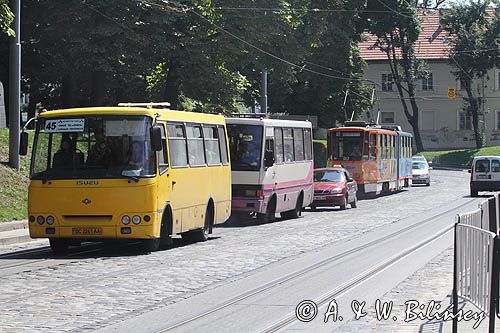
442,121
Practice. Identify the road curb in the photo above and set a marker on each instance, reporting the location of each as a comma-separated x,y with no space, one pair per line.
14,225
14,237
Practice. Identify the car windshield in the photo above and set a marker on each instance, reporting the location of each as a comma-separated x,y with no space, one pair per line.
419,166
418,158
245,143
328,176
93,147
347,146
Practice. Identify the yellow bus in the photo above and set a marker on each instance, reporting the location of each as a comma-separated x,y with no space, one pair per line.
127,172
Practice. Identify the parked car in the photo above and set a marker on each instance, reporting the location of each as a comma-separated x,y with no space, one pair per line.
334,187
421,173
485,174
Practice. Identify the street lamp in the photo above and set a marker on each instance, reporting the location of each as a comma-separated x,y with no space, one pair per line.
15,86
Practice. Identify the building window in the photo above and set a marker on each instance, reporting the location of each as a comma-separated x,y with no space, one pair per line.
460,84
387,82
464,121
428,82
387,117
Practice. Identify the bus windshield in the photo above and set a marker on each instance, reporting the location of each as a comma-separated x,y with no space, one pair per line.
347,146
245,143
93,147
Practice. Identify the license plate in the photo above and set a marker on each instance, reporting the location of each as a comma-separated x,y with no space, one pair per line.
319,197
482,177
86,231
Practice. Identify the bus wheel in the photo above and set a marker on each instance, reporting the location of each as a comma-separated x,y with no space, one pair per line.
151,245
270,212
473,192
294,213
166,225
59,246
200,235
343,206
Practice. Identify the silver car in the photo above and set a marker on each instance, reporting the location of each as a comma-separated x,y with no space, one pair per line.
421,173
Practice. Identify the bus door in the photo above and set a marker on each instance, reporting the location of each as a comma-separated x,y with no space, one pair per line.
164,183
178,176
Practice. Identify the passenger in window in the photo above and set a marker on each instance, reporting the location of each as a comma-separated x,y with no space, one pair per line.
250,155
136,158
99,153
288,153
65,157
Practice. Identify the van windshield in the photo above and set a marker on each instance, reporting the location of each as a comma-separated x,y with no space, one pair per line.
93,147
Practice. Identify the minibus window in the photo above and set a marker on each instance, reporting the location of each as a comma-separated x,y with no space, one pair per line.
223,145
278,142
195,145
298,144
93,147
212,145
177,145
162,155
307,144
288,144
245,144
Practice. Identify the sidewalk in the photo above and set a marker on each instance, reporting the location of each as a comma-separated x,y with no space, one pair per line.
433,282
14,233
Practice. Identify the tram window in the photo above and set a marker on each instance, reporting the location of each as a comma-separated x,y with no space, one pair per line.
307,144
288,144
278,144
223,145
347,146
298,137
212,145
195,145
177,145
373,146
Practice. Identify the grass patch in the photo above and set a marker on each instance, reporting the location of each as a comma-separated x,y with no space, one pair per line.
459,158
13,183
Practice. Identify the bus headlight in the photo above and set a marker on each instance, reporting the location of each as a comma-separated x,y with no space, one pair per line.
50,220
136,219
40,220
126,219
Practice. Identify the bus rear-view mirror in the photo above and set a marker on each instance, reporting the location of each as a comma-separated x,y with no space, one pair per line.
23,144
156,143
269,158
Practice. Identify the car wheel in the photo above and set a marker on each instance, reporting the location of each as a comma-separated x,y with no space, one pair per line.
343,206
354,203
313,208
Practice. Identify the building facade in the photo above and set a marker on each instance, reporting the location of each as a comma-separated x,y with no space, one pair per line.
443,122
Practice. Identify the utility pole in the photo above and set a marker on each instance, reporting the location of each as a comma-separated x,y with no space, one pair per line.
263,104
15,86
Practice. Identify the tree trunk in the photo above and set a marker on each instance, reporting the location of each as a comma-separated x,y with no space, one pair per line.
414,123
97,89
473,108
171,92
67,97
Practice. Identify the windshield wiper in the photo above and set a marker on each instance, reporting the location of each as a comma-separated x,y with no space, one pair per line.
134,178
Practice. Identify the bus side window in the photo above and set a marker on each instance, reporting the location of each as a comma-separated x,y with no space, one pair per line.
298,144
288,143
278,142
307,144
162,155
223,145
212,145
177,145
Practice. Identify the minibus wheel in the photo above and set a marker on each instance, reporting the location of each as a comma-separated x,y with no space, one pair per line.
151,245
200,235
294,213
473,192
354,203
270,212
59,246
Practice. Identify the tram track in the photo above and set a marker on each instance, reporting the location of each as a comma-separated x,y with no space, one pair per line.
318,265
267,286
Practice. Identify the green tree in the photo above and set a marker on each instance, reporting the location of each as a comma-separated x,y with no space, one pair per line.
474,29
397,30
6,18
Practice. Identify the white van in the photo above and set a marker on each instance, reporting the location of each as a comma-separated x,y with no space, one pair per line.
485,174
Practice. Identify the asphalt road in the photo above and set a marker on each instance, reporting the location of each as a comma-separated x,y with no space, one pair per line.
247,277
